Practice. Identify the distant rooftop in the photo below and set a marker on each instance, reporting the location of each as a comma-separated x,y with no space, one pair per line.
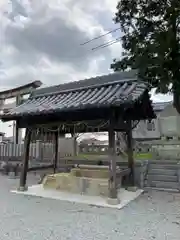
21,90
159,106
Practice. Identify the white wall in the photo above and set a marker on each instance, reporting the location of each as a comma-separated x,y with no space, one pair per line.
147,130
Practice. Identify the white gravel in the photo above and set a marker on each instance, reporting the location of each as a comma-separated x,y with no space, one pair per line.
154,215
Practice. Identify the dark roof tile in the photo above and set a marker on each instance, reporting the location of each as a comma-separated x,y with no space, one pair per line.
105,91
99,80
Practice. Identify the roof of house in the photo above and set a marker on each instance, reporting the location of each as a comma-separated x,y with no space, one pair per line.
104,91
160,106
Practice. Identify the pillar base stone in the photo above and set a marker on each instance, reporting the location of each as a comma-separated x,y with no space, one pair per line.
22,188
113,201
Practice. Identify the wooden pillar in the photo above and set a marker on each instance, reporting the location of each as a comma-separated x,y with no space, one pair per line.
74,135
130,153
56,144
24,169
112,161
17,131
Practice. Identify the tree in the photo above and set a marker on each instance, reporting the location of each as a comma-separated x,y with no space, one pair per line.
151,43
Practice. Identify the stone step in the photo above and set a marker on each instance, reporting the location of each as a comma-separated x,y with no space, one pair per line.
165,178
164,162
168,185
170,172
163,166
162,189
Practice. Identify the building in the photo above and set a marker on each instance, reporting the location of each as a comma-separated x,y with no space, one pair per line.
108,103
149,129
18,95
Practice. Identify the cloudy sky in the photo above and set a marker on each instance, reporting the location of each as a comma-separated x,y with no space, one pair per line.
41,40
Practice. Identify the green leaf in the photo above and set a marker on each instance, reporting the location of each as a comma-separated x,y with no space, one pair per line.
151,41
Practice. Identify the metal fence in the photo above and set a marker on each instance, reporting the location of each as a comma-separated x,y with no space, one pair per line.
39,150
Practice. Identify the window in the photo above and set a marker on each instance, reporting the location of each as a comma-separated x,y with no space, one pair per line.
150,125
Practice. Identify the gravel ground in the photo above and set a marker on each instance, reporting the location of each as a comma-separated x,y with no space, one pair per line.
154,215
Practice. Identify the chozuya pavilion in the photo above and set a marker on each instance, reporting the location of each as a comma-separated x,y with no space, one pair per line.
117,101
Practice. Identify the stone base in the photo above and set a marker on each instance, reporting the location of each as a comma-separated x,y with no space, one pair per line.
132,188
124,196
91,173
84,180
22,188
113,201
78,185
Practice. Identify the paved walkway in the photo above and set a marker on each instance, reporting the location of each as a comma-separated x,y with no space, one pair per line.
155,215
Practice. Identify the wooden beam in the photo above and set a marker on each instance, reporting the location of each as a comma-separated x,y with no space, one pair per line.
112,161
98,125
130,153
24,170
56,143
37,168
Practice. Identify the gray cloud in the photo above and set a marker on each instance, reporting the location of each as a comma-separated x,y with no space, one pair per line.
17,9
45,30
55,39
40,40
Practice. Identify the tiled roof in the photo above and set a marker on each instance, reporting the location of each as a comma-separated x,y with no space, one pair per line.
110,78
103,94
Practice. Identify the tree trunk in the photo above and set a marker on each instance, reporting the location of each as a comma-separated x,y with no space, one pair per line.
176,101
75,145
175,59
130,154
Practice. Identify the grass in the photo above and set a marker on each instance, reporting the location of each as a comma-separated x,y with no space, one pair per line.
143,156
88,156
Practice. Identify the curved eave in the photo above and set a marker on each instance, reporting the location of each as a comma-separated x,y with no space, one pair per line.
81,113
117,95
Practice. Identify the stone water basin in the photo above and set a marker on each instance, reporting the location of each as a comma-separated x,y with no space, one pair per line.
87,180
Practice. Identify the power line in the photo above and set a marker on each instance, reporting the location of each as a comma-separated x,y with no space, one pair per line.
106,44
103,35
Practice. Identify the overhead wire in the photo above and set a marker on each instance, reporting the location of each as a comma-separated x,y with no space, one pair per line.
107,44
98,37
103,123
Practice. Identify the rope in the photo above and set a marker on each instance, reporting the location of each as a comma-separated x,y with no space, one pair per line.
65,125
